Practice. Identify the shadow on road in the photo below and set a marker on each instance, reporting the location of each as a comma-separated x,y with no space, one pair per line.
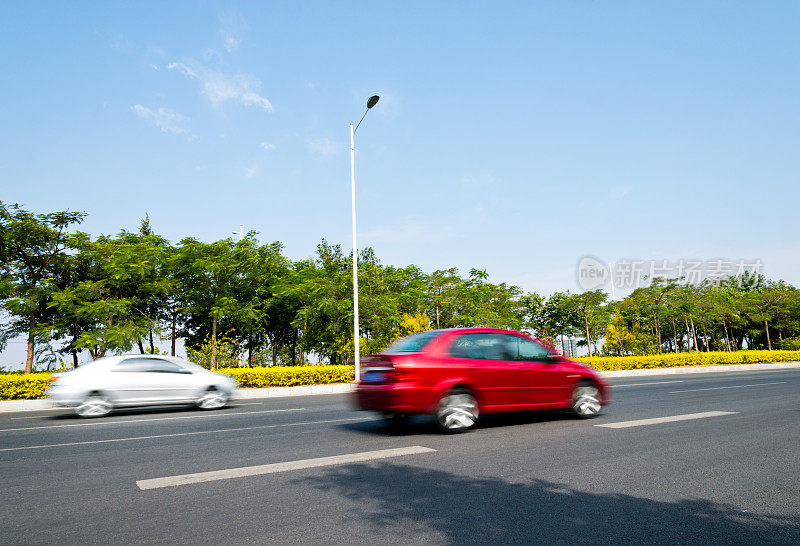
404,500
69,414
424,424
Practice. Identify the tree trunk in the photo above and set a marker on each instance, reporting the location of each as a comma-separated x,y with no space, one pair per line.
727,339
437,316
688,334
214,342
694,334
563,351
588,341
249,351
152,345
675,335
705,338
31,342
74,358
766,329
658,331
174,318
141,347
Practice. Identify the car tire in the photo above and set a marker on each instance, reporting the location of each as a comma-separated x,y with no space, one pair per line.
586,400
96,404
212,398
456,411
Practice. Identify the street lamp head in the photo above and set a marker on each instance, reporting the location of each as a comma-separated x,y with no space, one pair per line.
373,100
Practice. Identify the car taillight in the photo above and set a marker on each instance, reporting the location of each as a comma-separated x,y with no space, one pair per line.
403,374
53,381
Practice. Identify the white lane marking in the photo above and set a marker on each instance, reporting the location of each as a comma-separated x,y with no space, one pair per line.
650,383
248,403
731,387
204,416
670,419
199,477
191,433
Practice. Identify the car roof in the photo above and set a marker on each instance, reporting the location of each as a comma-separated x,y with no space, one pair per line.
116,359
479,329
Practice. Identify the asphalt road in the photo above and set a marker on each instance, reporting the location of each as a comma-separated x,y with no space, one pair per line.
725,477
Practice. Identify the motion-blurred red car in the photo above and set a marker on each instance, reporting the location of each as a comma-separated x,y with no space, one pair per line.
458,374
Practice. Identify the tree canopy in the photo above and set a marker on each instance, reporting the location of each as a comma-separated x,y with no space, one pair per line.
135,291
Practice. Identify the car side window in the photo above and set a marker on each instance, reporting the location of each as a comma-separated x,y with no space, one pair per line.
143,364
529,350
485,347
465,347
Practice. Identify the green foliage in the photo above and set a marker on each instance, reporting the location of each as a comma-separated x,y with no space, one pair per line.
31,256
227,353
71,293
791,344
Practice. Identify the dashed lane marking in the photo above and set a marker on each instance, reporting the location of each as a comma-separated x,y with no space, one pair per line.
241,472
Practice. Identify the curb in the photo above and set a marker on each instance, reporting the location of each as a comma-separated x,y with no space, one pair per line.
341,388
304,390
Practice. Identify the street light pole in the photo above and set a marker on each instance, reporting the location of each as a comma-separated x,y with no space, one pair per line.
373,100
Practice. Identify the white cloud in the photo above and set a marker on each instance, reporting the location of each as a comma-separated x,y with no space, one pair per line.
251,171
220,88
165,119
323,146
183,69
231,26
266,145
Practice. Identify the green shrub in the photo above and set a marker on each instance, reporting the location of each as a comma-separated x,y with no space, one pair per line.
672,360
227,353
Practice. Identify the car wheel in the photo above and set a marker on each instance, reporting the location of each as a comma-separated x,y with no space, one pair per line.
586,400
212,398
95,405
457,411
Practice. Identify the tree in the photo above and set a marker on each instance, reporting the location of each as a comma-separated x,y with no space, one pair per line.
31,247
212,272
587,306
763,304
112,303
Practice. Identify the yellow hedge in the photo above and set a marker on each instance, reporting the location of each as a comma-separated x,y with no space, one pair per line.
287,376
672,360
15,386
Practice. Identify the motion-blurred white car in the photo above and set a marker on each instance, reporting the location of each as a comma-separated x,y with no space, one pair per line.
139,380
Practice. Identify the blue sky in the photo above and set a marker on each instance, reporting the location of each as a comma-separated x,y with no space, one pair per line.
515,137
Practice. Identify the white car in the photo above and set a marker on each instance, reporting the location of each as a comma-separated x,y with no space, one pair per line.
139,380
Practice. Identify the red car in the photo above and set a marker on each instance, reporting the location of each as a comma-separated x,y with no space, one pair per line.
458,374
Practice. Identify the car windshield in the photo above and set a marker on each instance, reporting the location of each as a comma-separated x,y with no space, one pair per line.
411,344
